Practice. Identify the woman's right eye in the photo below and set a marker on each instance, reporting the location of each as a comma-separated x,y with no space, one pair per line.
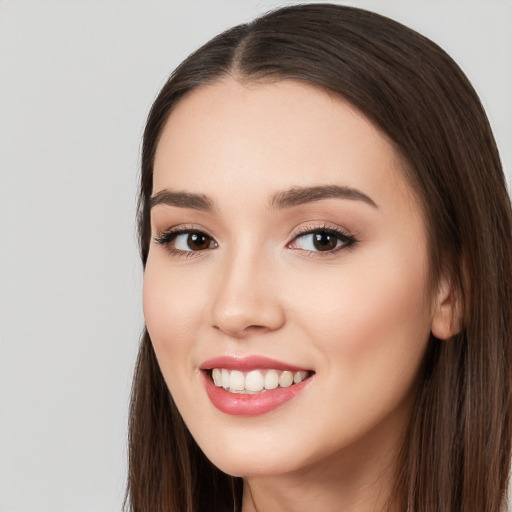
183,241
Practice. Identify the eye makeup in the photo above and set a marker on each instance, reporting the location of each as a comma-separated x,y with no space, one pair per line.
185,241
322,240
314,240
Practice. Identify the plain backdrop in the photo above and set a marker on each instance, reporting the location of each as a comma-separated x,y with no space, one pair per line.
77,78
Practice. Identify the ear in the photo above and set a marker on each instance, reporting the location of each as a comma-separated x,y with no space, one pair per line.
448,311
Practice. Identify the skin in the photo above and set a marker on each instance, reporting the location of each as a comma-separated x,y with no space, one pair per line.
359,317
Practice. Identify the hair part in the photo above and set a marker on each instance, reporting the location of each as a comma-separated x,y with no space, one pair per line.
456,453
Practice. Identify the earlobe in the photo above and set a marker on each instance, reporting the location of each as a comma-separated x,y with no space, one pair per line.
447,316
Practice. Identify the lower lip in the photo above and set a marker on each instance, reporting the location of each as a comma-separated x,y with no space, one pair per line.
240,404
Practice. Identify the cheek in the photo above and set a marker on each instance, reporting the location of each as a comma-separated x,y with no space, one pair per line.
171,307
372,317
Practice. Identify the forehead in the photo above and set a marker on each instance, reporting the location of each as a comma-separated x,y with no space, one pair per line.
265,136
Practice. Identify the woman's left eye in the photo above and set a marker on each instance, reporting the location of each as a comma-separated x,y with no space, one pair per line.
322,240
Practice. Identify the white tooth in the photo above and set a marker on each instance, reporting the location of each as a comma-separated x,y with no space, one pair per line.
236,381
286,379
217,377
254,381
224,379
271,380
299,376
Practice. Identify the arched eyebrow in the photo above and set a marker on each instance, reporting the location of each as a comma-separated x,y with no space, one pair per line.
295,196
301,195
182,200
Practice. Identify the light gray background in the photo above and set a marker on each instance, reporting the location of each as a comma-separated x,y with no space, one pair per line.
76,81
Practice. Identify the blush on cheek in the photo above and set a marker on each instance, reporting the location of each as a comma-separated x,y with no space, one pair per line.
357,322
170,314
150,304
159,320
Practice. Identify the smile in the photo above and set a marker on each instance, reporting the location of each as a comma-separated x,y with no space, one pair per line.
251,386
256,381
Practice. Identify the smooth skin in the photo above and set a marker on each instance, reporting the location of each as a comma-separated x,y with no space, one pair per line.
357,311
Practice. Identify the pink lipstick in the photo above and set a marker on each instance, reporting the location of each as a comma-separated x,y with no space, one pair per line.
249,386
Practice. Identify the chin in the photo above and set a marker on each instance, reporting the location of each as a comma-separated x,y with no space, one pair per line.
235,465
251,455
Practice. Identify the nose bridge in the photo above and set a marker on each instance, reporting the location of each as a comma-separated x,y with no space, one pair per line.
246,297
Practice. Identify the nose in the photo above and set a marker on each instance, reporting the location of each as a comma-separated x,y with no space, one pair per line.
246,300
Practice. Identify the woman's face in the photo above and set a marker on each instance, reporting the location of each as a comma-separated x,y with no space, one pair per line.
285,245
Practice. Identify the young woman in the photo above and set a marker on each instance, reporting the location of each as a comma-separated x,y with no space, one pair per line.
326,235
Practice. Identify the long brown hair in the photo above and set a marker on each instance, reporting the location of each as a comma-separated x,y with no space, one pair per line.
457,451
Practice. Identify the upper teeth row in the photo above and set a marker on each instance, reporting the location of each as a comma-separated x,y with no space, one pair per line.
255,380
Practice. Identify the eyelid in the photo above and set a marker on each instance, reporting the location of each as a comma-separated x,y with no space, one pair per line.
322,226
167,236
342,234
176,230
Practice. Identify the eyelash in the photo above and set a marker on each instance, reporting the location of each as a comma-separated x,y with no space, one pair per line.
347,241
167,237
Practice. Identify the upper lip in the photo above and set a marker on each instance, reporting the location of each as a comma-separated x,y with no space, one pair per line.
248,363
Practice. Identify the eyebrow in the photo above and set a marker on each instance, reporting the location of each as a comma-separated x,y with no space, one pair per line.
301,195
181,200
286,199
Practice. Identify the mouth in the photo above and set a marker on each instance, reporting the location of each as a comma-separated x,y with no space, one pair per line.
256,381
253,385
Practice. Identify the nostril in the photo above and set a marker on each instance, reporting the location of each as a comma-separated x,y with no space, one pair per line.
242,332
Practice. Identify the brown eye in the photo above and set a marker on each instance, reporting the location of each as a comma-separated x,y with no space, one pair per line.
199,241
183,241
324,241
